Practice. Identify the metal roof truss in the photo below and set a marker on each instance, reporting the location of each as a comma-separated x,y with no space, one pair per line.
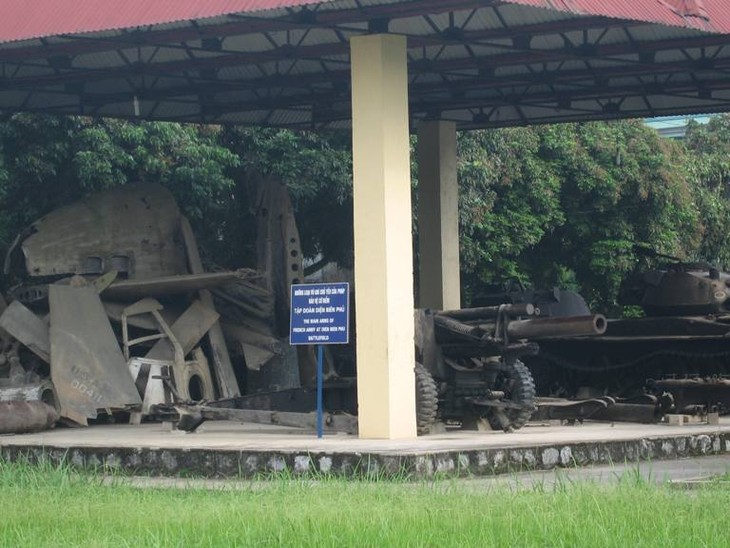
480,64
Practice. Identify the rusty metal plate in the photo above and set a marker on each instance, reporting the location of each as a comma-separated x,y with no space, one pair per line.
88,369
132,229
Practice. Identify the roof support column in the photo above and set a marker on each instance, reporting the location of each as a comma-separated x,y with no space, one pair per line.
438,217
383,239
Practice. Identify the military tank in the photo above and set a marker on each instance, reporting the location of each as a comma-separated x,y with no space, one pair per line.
679,346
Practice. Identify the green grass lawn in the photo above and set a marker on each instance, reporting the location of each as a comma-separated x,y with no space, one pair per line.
46,506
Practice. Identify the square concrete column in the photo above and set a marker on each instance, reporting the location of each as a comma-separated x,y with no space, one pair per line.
383,240
438,217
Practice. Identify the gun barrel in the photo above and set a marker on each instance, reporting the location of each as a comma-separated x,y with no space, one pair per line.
545,328
491,312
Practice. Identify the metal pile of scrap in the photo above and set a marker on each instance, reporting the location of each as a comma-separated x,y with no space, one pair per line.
114,312
26,399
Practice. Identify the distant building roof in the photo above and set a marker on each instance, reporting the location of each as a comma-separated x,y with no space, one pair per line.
674,127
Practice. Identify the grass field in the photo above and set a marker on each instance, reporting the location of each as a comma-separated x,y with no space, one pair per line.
49,506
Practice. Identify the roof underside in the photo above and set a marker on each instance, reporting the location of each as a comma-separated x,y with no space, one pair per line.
481,63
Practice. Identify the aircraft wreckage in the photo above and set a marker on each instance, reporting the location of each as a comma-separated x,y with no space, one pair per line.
114,308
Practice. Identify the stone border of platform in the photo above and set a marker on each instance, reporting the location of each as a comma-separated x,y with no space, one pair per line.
220,463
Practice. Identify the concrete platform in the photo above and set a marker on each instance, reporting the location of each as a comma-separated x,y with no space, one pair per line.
224,449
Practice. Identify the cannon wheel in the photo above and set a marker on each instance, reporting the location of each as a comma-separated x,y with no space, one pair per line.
426,399
516,381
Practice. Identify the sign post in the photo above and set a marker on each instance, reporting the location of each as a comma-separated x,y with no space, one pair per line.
320,315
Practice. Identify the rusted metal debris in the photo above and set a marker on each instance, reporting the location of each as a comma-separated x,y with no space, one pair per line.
130,229
696,395
188,329
28,328
227,384
137,326
605,408
115,314
190,417
88,369
171,285
85,333
18,417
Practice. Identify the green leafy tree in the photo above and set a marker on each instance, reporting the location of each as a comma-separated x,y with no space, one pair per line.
317,170
708,165
51,161
552,205
509,201
564,204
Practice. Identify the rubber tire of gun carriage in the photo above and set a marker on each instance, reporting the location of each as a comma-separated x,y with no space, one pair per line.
426,399
518,385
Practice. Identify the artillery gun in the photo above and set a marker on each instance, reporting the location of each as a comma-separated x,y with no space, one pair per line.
469,362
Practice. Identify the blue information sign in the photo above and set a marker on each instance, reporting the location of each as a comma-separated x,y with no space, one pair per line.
320,313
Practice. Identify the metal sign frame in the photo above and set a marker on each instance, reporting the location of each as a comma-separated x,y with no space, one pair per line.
320,313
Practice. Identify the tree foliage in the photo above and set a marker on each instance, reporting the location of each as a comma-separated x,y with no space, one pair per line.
564,204
50,161
708,165
552,205
317,170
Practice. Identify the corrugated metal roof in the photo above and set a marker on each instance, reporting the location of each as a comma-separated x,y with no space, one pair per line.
479,63
26,19
709,15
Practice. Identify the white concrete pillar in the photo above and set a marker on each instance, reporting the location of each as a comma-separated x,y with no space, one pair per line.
383,240
438,217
